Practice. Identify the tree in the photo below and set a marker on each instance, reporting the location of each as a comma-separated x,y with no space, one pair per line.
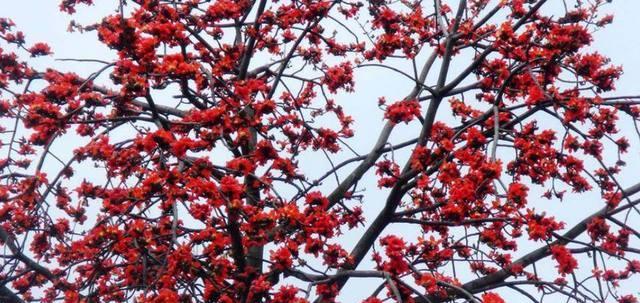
194,168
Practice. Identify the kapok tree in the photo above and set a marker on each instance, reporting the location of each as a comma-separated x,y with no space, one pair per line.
210,161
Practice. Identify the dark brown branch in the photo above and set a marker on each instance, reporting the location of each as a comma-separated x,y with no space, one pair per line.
542,252
8,296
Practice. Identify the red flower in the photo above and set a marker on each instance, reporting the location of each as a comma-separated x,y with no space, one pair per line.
395,250
281,259
517,194
597,228
535,95
628,299
203,134
243,165
230,186
403,111
288,294
491,297
420,158
166,296
40,49
340,76
566,262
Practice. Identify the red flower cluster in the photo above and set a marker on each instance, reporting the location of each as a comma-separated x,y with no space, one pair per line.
566,262
491,297
403,111
339,77
213,158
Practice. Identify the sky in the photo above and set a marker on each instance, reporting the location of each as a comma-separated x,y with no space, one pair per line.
40,20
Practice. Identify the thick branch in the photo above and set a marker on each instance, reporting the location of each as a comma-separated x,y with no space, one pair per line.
498,277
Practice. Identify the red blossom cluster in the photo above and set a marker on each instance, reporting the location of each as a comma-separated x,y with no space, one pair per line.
566,262
212,160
